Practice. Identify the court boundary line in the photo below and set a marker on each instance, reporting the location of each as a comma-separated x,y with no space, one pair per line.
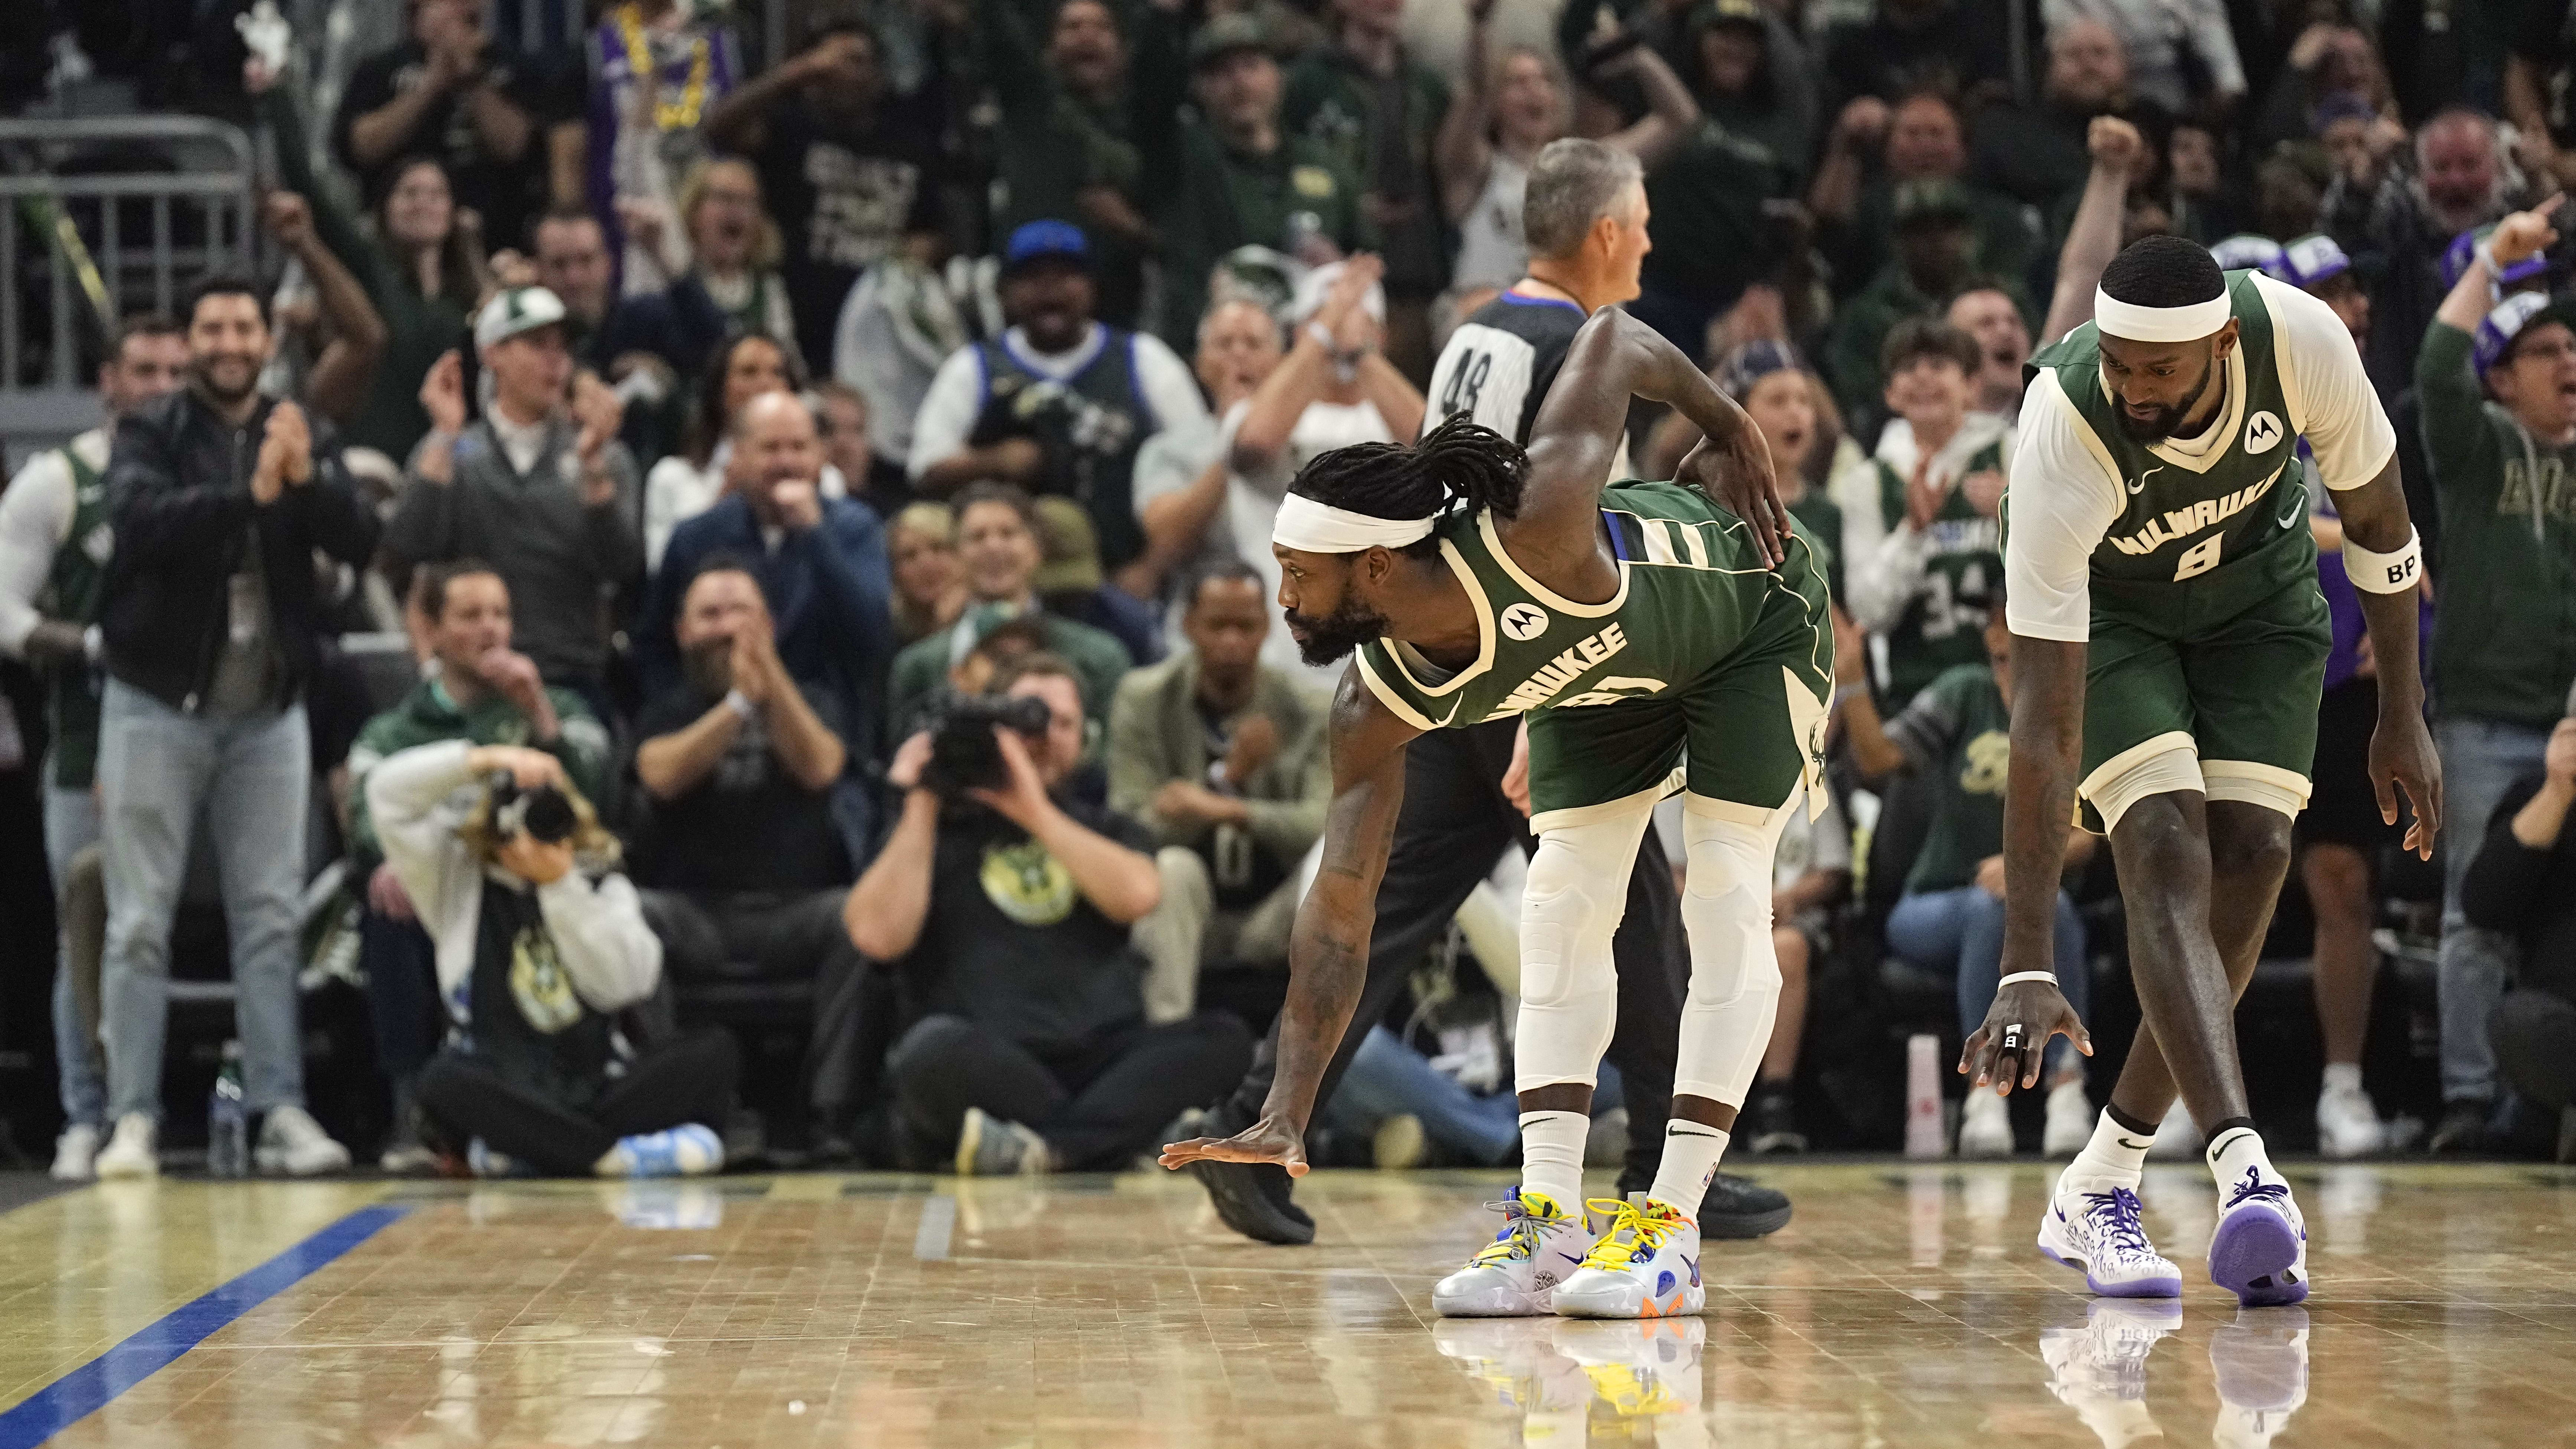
141,1354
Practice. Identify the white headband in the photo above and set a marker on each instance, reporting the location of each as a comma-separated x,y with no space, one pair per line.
2116,318
1312,527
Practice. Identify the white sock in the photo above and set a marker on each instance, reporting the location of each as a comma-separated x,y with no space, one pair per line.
1552,1157
2115,1157
2232,1152
2343,1077
1691,1151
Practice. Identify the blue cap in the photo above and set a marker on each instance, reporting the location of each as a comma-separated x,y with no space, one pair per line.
2456,256
2311,259
1737,372
1038,241
2247,252
2511,318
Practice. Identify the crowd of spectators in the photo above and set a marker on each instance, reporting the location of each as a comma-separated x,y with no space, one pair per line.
826,497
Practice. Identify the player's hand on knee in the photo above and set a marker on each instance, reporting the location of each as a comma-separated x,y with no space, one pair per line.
2010,1044
1263,1141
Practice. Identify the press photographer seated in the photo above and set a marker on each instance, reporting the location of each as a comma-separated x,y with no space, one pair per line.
538,941
1010,905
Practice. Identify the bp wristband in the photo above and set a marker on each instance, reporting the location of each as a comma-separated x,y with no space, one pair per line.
2384,573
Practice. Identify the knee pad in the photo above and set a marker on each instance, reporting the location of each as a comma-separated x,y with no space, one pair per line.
1735,975
1576,894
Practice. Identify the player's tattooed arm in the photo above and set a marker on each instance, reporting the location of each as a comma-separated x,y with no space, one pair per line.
1329,947
2039,800
1578,430
2401,748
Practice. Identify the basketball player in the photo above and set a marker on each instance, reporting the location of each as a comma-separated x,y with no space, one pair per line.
2170,651
1585,215
1633,625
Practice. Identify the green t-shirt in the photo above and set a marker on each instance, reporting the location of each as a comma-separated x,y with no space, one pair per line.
1707,195
2504,636
1943,625
1958,729
1223,198
429,714
1381,131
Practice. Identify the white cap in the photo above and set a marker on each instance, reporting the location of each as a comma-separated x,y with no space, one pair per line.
1317,284
517,310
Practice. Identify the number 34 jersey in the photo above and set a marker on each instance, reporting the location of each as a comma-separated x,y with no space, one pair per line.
2179,530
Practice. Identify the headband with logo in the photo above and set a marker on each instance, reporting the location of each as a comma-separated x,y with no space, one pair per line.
2188,323
1312,527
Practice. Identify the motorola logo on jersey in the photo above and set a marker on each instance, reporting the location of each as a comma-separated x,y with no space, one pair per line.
1524,621
2263,433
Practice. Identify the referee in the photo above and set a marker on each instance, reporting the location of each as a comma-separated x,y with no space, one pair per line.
1585,222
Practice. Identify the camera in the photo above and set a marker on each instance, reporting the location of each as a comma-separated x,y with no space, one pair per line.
963,753
543,814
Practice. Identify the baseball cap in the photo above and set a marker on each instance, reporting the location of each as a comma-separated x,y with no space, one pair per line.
1048,240
1226,35
2311,259
2511,318
1720,12
1738,371
2456,256
1068,548
1318,282
517,310
2248,252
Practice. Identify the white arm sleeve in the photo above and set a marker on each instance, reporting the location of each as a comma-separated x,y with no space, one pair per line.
1169,388
947,413
2332,403
35,517
612,956
2061,501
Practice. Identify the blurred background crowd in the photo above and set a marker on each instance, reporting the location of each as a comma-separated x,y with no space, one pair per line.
632,586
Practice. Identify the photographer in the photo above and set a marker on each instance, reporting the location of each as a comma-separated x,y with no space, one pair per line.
538,941
1011,905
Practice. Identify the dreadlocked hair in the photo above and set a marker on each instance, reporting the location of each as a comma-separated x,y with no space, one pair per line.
1457,468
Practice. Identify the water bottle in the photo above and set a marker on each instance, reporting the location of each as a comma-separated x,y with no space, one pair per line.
1923,1135
227,1121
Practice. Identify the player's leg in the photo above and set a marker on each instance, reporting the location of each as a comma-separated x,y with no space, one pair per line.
2339,836
1455,823
1595,774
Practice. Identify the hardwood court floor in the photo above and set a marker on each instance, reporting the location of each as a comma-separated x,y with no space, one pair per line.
1903,1306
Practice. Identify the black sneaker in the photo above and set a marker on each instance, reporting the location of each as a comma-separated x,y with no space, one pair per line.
2464,1130
1733,1207
1774,1122
1243,1200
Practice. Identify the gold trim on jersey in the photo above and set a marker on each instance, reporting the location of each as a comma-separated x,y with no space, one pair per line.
1484,608
1539,591
2223,442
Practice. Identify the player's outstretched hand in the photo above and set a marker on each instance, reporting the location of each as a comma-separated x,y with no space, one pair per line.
2402,757
1263,1141
2014,1036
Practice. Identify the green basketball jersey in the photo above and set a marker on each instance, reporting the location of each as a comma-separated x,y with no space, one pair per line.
2233,526
71,592
1968,780
1944,625
1691,587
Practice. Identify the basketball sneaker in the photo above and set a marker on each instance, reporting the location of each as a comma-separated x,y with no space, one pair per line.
1516,1275
2069,1121
1985,1126
2259,1250
2260,1369
1638,1368
2100,1233
2348,1124
1646,1266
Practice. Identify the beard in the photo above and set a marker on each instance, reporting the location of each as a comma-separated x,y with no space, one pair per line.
2161,425
708,666
1349,626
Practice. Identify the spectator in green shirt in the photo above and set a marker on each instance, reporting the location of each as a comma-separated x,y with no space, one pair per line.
1239,180
2498,385
1935,256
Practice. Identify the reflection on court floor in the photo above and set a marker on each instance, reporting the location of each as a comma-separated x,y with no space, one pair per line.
1903,1305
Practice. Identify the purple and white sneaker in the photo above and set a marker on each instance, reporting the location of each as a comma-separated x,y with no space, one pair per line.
2099,1232
2259,1250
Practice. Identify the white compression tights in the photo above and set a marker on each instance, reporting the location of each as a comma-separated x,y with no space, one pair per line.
1735,976
1571,907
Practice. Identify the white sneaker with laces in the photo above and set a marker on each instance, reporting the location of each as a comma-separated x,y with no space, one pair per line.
2070,1120
291,1142
1985,1125
2099,1232
76,1153
1646,1266
1517,1274
131,1151
2259,1249
2348,1124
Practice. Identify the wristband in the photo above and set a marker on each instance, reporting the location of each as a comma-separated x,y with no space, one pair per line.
2486,254
2384,573
2048,976
740,703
